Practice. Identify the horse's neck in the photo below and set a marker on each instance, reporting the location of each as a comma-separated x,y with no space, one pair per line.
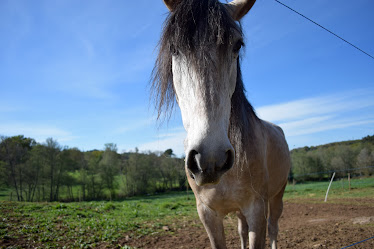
248,120
243,124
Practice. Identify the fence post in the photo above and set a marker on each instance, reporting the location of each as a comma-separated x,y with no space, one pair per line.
349,181
327,192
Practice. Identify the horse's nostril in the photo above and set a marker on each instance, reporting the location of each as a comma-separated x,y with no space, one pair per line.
192,164
230,157
195,161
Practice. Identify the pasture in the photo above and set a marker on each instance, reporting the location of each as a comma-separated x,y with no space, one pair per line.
171,221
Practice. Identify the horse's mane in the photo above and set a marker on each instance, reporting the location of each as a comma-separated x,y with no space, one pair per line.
192,28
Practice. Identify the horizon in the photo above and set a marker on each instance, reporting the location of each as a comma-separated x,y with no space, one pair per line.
63,147
79,72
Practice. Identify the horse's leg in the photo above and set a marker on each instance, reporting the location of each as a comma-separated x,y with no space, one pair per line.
213,223
256,215
243,230
276,208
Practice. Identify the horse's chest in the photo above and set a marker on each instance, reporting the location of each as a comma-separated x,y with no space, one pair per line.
223,199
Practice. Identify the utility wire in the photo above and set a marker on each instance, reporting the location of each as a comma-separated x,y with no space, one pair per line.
325,29
358,242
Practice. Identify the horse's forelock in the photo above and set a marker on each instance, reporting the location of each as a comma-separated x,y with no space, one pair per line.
192,28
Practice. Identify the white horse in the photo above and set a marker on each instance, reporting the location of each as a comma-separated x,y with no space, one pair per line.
235,161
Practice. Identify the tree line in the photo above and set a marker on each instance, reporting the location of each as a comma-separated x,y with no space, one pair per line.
49,172
316,163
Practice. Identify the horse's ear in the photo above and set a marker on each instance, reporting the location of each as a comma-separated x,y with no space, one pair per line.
238,8
171,4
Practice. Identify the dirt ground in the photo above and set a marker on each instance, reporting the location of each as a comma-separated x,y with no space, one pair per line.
304,224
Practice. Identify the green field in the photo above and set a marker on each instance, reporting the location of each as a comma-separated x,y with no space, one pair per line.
362,187
92,224
88,224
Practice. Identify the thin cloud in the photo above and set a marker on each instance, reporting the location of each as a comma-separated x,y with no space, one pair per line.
299,128
38,132
135,125
166,141
313,115
305,108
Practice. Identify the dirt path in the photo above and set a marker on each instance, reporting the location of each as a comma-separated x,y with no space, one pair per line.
304,224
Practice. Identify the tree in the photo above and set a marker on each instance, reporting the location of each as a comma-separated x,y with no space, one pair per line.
345,159
52,150
365,159
109,166
171,170
141,173
314,165
3,174
68,161
14,152
325,155
90,179
33,172
337,163
168,153
299,167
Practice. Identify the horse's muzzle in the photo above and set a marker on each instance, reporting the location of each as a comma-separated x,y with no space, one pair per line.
207,169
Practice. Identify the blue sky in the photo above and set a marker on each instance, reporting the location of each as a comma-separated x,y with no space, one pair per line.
79,71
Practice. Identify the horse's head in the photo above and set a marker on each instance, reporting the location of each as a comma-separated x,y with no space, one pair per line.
198,62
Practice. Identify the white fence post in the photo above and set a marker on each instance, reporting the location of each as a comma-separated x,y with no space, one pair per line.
327,193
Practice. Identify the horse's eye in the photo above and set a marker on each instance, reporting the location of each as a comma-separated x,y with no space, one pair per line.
238,45
174,50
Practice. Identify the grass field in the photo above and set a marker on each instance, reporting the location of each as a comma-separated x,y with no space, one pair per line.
360,187
92,224
87,224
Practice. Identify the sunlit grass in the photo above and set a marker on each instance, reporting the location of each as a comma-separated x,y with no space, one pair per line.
363,187
91,224
87,224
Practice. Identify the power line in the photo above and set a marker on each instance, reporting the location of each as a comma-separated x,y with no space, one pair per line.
359,242
325,29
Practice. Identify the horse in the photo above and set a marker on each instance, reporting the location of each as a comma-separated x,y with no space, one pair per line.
235,162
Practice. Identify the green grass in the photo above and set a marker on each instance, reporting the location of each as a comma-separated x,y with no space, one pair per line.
339,189
4,194
119,183
88,224
92,224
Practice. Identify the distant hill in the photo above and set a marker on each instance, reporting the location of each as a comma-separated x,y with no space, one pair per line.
316,162
368,140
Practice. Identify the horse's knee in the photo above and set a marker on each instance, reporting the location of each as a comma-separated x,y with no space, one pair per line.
273,228
243,228
242,223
